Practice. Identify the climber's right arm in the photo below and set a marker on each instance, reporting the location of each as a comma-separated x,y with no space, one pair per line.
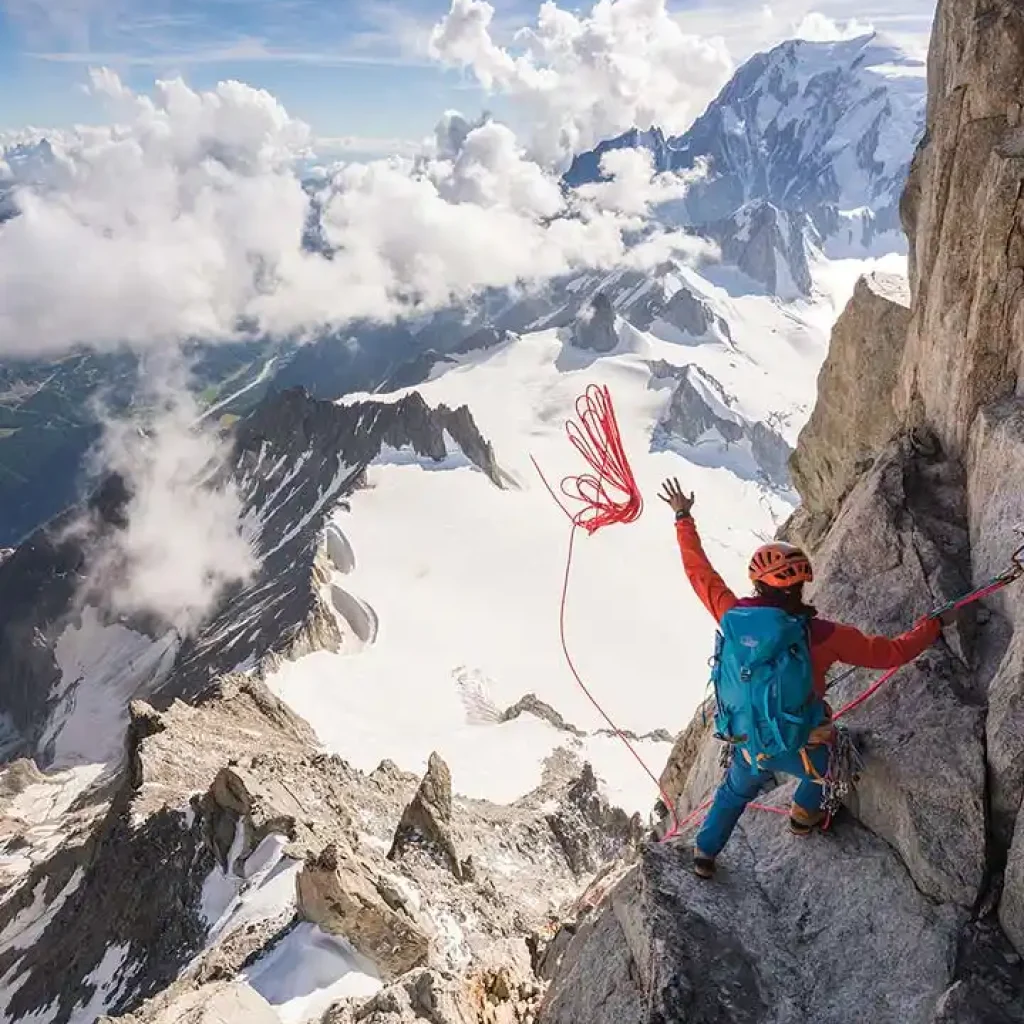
706,583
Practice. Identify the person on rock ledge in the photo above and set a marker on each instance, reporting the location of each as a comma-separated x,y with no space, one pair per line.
772,654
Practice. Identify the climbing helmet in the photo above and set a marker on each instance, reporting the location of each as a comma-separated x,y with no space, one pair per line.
780,565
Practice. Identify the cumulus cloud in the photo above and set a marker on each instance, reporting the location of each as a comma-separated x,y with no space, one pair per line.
584,78
486,217
451,132
155,229
182,543
186,220
364,147
819,27
632,186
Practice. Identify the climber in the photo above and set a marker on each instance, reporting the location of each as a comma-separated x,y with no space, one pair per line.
792,735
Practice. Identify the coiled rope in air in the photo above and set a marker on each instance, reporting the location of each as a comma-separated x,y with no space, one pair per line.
607,494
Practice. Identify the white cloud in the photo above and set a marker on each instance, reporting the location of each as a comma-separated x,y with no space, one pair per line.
821,28
751,26
156,229
633,187
584,78
244,50
182,544
414,236
451,132
186,219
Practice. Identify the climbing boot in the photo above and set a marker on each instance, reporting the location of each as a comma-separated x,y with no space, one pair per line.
803,822
703,865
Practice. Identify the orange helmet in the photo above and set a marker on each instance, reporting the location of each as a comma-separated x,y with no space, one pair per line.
780,565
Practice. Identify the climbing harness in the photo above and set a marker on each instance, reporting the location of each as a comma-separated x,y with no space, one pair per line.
607,495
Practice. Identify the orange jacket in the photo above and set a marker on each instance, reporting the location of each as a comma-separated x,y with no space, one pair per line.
830,641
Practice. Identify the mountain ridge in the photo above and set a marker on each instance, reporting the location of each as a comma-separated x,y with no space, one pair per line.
826,129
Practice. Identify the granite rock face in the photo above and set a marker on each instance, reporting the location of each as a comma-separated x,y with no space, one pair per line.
703,424
850,424
231,798
594,328
832,931
769,245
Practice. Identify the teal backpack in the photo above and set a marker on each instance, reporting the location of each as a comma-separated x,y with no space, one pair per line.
764,692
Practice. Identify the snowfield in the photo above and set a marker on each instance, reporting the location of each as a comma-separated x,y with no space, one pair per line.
464,578
103,667
448,588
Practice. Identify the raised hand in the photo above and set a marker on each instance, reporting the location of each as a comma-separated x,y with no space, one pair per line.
672,494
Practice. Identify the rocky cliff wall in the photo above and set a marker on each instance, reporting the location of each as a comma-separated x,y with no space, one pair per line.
910,472
847,430
962,211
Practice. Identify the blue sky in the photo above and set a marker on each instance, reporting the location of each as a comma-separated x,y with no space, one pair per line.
348,67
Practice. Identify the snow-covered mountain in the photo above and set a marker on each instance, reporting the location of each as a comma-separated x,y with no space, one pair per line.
406,604
25,158
293,461
826,129
403,618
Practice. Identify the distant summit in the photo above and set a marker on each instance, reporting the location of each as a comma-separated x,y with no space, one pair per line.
826,129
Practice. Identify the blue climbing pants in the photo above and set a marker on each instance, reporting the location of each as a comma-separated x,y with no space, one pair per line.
744,782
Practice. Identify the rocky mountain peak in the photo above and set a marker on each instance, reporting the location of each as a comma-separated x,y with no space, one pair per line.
594,327
320,450
823,128
701,422
769,245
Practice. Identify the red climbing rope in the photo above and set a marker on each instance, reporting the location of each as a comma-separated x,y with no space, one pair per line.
607,495
597,438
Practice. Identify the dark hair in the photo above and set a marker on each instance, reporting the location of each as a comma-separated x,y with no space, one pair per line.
789,599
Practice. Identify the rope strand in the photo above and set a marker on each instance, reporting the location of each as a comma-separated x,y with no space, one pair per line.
608,495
